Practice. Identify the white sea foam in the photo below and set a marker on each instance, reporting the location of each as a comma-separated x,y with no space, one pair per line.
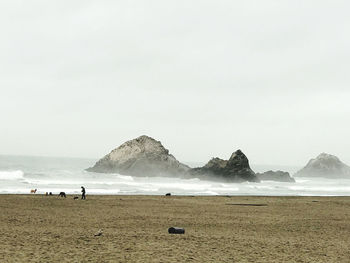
125,177
17,182
11,175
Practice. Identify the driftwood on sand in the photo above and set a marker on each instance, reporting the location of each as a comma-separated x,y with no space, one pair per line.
176,230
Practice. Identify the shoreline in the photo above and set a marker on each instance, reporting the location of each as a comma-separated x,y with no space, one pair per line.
182,195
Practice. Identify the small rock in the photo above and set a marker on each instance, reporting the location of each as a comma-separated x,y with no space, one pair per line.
99,233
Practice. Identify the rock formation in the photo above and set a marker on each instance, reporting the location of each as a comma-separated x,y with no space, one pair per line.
278,176
236,169
325,165
143,156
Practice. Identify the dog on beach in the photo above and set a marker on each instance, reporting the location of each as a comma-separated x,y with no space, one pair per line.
62,194
75,197
33,191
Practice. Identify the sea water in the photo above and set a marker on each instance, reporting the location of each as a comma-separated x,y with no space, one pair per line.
20,174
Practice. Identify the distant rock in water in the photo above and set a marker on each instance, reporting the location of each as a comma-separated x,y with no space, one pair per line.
236,169
278,176
325,165
143,156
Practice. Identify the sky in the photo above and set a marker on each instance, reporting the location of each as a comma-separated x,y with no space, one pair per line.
79,78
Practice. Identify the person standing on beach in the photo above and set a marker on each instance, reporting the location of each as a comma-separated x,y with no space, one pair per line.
83,193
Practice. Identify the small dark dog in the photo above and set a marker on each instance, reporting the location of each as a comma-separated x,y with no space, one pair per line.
62,194
168,194
75,197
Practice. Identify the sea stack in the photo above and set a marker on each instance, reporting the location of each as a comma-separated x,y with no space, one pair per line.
278,176
235,169
143,156
325,165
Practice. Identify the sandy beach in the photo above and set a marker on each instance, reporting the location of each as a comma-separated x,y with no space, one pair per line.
37,228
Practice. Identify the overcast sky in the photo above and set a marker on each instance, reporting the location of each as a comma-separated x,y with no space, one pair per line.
78,78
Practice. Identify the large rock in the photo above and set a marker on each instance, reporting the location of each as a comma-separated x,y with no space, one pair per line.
236,169
278,176
325,165
143,156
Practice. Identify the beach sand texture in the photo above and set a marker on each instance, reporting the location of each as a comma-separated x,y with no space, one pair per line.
36,228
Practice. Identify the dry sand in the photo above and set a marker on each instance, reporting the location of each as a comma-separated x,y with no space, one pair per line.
37,228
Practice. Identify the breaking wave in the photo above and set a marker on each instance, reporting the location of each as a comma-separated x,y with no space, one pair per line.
11,175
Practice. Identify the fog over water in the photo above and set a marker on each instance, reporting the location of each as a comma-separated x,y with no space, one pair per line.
204,77
79,78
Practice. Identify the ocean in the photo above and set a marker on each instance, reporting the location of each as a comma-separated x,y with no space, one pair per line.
20,174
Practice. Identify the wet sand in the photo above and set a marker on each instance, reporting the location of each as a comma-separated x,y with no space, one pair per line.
36,228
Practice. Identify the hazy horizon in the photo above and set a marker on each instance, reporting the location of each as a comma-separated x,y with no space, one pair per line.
257,167
205,78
